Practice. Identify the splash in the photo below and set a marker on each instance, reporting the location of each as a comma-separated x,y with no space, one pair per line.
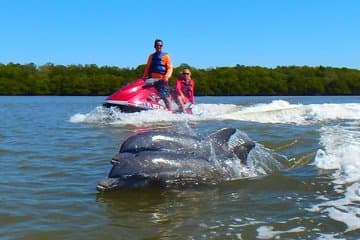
268,232
113,116
341,151
278,111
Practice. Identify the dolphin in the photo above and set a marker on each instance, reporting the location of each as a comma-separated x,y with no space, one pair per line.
167,159
158,168
165,141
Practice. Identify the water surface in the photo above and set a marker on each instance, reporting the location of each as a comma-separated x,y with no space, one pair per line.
54,150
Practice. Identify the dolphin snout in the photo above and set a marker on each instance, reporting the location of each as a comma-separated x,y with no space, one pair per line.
123,181
108,184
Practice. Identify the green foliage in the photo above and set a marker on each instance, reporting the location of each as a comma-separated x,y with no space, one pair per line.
90,79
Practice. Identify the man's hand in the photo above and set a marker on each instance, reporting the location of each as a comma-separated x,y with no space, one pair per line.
151,81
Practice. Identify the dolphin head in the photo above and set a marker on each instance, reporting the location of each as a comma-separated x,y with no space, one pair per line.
158,168
124,181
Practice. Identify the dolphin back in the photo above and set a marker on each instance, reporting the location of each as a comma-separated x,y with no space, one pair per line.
164,141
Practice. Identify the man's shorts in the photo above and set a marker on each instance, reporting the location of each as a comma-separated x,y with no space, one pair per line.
163,88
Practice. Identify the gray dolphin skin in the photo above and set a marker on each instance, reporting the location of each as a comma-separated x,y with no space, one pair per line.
169,159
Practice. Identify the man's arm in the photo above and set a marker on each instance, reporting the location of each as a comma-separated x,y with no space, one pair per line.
192,99
147,68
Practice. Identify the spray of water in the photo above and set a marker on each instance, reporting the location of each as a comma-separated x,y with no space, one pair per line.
278,111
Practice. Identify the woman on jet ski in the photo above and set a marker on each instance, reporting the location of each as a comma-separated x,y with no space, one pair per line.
185,89
159,66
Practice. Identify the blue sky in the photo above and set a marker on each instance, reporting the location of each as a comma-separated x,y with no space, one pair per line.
201,33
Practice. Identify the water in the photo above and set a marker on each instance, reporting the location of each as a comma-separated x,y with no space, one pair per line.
54,150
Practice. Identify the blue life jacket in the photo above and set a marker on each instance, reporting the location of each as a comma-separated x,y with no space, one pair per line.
157,66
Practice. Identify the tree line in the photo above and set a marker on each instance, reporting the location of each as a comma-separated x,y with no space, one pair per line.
93,80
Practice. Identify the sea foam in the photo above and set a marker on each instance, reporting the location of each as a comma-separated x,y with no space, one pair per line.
277,111
340,152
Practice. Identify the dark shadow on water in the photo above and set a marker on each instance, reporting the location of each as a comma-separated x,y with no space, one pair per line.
230,207
142,198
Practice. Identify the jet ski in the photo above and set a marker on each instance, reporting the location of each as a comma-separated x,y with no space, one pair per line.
141,95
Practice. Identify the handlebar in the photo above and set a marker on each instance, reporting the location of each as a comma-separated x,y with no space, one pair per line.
151,81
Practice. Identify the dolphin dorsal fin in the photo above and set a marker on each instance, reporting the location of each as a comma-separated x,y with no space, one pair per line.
233,140
222,136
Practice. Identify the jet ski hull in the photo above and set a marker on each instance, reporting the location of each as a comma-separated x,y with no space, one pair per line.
139,96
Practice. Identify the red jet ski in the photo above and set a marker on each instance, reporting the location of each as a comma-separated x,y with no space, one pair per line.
142,95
